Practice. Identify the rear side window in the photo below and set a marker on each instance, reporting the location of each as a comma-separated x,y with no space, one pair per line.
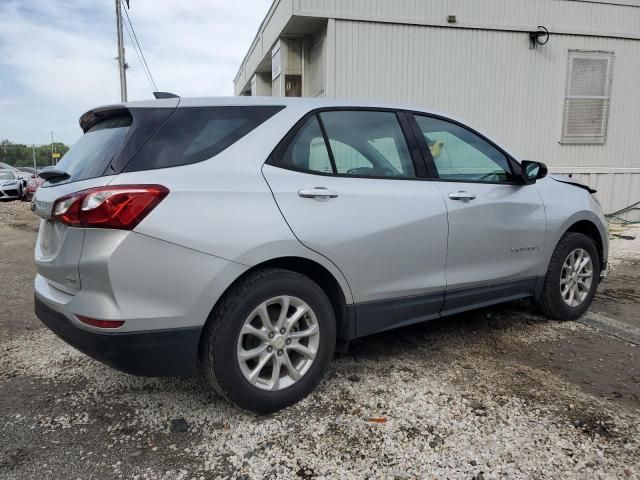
92,153
367,143
194,134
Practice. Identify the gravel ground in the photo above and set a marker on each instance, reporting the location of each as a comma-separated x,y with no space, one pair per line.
499,393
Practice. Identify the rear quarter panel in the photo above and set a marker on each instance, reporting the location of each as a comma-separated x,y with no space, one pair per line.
224,207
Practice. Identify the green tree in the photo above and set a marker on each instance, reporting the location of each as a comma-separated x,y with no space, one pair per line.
20,155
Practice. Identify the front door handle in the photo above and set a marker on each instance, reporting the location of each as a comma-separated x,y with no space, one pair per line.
462,195
317,192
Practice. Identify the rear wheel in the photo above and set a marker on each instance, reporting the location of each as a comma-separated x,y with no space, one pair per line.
269,341
572,278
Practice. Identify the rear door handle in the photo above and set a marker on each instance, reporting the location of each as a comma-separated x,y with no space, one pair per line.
317,192
462,195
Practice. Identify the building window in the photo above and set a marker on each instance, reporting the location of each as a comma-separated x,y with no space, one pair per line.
587,97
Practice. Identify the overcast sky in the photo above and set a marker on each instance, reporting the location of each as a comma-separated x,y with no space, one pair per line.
57,57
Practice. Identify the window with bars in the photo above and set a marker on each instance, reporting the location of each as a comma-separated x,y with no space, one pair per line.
587,97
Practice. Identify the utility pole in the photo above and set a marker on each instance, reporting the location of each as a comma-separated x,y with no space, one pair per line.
52,160
122,65
33,153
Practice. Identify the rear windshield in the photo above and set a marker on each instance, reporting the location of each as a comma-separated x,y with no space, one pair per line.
92,153
194,134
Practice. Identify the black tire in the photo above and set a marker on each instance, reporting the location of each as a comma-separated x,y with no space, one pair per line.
550,302
220,339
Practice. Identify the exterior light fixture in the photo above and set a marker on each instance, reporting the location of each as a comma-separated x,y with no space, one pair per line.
538,37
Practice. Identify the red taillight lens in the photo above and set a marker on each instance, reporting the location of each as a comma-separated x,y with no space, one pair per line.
121,206
100,323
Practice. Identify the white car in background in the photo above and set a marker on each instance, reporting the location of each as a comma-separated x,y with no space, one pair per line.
11,186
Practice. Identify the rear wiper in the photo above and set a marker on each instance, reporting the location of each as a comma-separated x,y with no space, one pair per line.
53,173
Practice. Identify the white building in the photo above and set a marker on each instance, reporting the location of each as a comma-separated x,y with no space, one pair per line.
573,102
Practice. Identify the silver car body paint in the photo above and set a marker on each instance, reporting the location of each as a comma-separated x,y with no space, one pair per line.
389,237
499,236
380,239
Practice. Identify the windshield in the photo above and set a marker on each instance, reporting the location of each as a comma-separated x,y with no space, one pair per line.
92,153
7,176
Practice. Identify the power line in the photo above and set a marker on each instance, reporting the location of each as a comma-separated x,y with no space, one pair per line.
139,52
146,74
141,56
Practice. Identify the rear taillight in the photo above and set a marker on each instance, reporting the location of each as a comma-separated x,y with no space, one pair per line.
121,206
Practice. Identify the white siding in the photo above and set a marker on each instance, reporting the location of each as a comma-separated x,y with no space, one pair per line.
317,67
557,15
615,190
492,80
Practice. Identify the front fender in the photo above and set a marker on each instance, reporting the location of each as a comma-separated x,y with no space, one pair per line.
565,205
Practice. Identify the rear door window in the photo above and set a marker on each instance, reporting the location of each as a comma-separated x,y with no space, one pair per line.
90,156
354,142
194,134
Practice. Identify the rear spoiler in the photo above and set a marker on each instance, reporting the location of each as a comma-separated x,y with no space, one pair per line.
90,118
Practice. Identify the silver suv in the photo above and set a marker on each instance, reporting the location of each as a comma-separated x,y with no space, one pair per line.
253,237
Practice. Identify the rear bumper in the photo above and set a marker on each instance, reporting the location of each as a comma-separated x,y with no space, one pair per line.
170,352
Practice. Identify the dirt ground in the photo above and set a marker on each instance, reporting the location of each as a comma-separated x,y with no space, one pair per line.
498,393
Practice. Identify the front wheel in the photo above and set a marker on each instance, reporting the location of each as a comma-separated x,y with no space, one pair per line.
269,341
572,278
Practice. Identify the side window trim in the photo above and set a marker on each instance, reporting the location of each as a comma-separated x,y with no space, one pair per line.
428,158
423,152
327,144
406,121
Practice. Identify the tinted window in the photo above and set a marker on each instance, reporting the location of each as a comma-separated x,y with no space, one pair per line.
368,143
90,156
194,134
308,151
460,154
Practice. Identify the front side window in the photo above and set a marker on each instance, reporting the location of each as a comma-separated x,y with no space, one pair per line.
361,143
461,155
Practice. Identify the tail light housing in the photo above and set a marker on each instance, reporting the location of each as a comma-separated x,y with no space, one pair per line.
121,206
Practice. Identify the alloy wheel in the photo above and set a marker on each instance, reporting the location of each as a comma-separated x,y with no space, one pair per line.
576,277
278,343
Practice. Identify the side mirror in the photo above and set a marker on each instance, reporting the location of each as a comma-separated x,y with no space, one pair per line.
532,171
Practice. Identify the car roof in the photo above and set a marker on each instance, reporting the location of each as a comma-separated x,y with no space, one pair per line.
297,102
301,104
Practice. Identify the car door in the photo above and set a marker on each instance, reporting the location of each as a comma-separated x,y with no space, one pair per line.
346,183
497,224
